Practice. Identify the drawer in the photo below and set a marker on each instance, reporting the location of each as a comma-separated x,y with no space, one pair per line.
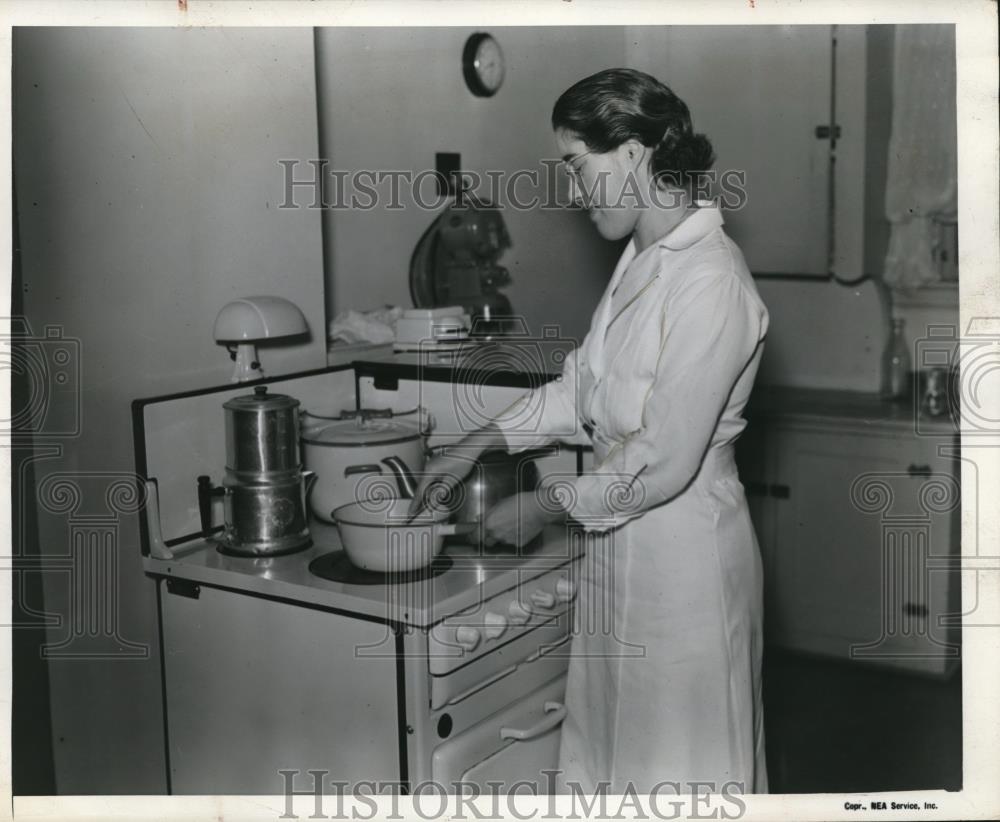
527,649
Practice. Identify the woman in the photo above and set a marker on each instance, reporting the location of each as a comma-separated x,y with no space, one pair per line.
664,683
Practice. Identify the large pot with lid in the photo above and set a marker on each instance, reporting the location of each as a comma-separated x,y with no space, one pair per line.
348,453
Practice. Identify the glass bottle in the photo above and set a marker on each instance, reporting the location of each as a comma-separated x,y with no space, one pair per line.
896,364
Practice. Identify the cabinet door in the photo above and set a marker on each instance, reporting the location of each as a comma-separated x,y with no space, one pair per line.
758,92
862,548
256,686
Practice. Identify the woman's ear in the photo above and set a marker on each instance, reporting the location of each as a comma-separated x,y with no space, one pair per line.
634,149
629,152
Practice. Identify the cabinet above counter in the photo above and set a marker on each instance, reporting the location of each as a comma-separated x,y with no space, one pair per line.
799,117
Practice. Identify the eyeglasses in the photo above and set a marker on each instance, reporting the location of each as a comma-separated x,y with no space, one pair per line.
572,170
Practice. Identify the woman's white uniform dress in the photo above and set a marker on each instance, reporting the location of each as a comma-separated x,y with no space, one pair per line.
664,683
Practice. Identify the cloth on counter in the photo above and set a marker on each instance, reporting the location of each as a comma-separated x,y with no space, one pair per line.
378,326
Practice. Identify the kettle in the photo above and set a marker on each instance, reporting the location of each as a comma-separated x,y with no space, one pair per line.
495,475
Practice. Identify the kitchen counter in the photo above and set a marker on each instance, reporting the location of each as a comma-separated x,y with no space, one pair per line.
858,407
536,362
342,354
474,575
515,362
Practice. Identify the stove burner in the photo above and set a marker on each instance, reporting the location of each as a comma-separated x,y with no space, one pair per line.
336,567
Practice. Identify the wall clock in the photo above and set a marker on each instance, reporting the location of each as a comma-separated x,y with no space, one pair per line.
483,64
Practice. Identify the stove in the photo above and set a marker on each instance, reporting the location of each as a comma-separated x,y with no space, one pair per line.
453,673
281,667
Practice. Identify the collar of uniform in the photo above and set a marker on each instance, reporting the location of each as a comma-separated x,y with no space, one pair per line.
695,227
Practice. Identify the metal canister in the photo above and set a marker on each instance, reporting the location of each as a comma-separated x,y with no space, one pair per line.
262,434
264,519
264,485
934,402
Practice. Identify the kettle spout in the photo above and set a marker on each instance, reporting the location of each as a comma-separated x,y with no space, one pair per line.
404,476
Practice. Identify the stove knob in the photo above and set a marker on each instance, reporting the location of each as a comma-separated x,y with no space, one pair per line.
543,599
467,637
565,590
518,613
496,625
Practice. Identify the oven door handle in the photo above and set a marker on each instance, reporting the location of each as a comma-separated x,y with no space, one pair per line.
555,713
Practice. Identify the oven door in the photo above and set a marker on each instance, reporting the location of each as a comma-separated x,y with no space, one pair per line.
507,751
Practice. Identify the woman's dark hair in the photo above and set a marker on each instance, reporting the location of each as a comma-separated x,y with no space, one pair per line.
616,105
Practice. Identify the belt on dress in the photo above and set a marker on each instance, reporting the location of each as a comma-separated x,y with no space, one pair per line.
719,461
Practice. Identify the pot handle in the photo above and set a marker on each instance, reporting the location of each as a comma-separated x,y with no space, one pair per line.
206,492
362,469
308,481
426,421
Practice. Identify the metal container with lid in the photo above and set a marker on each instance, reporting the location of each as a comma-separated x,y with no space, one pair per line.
266,518
496,475
346,453
264,485
262,433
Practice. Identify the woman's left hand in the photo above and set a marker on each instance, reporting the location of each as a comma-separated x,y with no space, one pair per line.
516,520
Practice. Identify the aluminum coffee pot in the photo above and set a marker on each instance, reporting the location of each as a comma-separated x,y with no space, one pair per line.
264,487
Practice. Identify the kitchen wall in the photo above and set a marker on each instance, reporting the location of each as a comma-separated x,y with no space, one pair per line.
390,98
147,183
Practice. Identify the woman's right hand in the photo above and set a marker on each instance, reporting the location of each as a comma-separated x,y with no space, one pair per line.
441,475
446,470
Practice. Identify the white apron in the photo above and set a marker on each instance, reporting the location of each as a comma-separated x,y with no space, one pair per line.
664,682
665,673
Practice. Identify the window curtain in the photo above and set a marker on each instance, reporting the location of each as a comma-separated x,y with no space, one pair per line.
922,187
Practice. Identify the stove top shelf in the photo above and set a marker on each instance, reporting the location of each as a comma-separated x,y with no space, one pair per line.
474,575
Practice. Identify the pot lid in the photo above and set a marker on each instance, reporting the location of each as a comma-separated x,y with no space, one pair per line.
361,431
260,400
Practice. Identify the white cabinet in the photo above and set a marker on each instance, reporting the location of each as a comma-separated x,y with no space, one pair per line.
802,112
858,527
254,686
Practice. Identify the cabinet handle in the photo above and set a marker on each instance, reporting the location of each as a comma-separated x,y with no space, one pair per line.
756,489
781,491
915,609
918,470
823,132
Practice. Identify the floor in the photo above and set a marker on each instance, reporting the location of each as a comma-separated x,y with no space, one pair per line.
841,728
830,727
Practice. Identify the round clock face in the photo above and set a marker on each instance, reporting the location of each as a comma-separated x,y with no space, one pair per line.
483,65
